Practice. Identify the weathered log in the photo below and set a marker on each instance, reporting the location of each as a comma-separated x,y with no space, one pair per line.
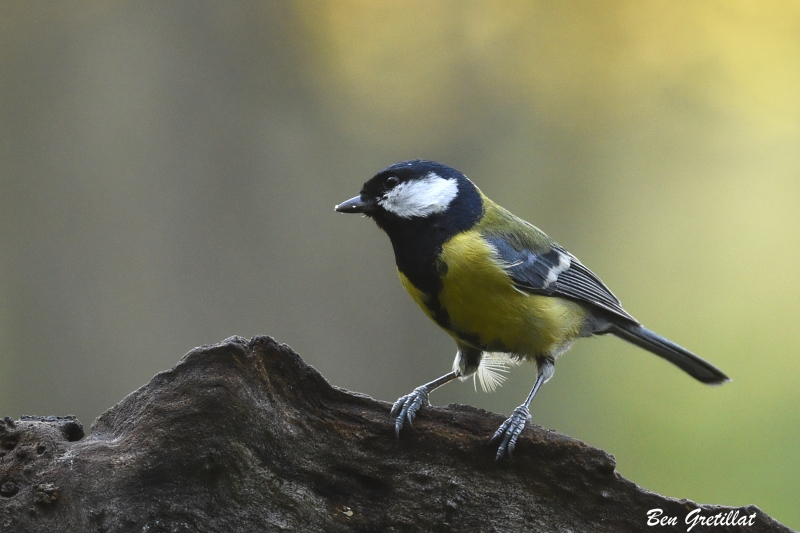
244,436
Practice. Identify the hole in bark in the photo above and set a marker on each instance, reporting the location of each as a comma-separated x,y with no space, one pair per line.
8,489
72,431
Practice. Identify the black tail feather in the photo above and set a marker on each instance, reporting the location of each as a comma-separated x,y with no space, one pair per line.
693,365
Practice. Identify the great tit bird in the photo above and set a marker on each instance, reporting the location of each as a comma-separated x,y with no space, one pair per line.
495,283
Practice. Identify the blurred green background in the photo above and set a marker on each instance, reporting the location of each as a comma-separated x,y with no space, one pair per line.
169,170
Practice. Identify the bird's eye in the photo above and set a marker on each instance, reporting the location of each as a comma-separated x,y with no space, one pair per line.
391,182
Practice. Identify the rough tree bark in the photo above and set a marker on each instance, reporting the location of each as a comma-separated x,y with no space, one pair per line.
244,436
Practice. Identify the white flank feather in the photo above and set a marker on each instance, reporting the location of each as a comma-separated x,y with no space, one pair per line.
491,371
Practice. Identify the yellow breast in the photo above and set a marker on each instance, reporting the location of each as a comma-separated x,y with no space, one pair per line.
482,302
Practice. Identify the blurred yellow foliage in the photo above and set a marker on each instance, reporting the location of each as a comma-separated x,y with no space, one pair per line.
399,61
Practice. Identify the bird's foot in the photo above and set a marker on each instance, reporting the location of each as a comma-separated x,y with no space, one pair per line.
405,409
510,431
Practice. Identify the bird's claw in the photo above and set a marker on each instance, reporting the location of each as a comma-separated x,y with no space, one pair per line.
510,431
405,409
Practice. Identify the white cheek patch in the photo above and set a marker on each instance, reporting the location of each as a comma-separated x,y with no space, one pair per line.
420,198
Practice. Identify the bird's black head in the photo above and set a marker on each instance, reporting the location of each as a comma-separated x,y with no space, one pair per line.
417,193
420,205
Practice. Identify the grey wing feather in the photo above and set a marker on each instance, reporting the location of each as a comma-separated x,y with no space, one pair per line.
580,283
556,273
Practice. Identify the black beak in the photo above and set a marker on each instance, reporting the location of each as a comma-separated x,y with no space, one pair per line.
353,205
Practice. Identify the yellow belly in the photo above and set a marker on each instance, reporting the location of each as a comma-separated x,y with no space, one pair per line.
482,302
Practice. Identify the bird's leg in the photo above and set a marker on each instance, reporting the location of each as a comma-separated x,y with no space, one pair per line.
406,407
511,429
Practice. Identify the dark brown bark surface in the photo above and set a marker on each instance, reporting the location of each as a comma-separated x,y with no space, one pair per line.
244,436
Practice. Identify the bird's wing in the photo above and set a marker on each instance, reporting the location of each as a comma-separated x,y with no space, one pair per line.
553,271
